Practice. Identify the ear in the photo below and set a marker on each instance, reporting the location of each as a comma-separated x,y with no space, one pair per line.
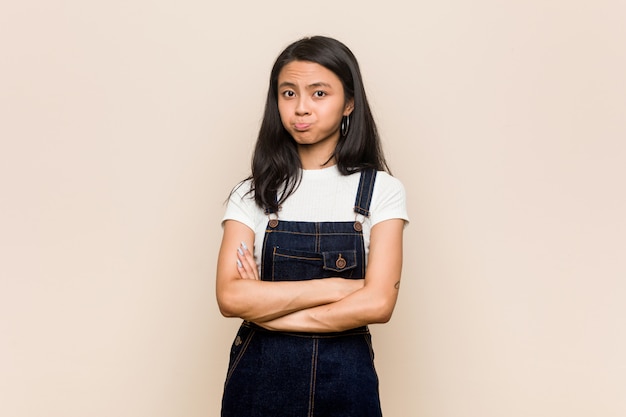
347,110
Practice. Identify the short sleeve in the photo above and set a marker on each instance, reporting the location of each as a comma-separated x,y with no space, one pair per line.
388,199
241,206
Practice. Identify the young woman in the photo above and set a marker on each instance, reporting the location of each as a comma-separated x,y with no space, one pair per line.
312,246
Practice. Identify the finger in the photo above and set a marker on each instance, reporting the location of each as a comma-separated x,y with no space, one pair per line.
243,265
240,268
248,261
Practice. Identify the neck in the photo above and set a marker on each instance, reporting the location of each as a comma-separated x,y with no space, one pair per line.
317,156
310,160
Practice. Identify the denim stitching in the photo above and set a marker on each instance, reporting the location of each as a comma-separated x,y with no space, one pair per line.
368,342
362,244
320,234
363,199
370,191
273,263
280,255
313,377
313,233
263,257
239,356
361,184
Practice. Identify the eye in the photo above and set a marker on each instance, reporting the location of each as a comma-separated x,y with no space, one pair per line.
288,93
319,94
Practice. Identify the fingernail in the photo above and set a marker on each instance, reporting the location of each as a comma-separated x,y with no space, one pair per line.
243,245
240,252
239,264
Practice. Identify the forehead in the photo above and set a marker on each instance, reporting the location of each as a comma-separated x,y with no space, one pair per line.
307,73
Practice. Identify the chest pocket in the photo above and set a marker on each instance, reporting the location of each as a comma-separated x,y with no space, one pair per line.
292,265
339,261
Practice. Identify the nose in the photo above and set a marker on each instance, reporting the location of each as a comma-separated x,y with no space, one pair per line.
302,107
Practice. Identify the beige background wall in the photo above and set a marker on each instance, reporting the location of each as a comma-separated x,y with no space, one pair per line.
124,124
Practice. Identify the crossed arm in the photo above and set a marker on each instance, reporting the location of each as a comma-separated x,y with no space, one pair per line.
318,305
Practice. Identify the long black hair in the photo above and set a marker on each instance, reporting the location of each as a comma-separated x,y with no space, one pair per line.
276,163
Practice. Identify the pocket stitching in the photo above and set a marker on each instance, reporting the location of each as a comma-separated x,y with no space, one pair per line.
239,356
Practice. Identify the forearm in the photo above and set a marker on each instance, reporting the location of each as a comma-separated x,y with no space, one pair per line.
261,301
363,307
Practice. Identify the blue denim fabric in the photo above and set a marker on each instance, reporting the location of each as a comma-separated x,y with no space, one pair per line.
292,374
296,251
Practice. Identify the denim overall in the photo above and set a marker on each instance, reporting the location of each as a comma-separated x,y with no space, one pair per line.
294,374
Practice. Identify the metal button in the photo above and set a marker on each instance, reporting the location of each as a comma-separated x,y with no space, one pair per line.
273,223
340,263
238,341
358,226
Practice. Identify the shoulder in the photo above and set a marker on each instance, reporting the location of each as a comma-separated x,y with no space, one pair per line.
388,198
242,190
387,184
387,179
242,194
241,205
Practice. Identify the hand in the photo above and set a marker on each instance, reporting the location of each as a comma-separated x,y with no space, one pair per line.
245,263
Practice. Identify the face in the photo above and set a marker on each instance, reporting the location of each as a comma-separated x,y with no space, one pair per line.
311,103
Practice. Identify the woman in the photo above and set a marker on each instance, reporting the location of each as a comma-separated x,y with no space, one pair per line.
318,207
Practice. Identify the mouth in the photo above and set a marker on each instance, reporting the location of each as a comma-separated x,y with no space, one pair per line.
301,127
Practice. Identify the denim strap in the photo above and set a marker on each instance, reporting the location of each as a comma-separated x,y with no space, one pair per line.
364,194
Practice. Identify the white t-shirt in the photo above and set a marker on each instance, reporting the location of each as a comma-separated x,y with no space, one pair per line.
324,195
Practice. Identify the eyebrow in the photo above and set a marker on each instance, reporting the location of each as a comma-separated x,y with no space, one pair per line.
314,85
